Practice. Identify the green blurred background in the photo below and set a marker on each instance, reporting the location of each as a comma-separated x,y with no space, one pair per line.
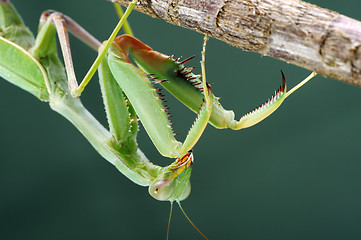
294,176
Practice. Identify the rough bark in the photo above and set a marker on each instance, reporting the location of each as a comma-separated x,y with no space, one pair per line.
294,31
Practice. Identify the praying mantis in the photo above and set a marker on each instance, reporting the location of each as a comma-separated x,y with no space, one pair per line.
209,163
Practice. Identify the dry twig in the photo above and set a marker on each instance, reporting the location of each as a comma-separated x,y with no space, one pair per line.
294,31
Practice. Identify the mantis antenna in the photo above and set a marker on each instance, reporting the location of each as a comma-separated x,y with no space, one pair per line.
170,216
191,221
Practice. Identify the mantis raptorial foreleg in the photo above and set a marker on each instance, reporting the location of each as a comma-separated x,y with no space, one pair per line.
188,88
149,108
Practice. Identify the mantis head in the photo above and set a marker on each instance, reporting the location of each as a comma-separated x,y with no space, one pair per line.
173,183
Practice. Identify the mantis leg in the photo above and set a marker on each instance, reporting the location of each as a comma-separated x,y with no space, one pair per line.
148,103
63,24
126,26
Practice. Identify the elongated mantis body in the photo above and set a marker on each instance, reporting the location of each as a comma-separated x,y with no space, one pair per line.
130,176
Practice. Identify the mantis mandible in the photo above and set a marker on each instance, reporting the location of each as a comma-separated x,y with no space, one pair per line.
128,94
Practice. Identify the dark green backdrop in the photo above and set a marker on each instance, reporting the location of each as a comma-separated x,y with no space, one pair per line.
294,176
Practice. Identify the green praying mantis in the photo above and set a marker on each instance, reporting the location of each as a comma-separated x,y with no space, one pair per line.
118,145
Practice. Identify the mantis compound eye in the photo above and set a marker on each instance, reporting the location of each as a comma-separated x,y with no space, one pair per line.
162,190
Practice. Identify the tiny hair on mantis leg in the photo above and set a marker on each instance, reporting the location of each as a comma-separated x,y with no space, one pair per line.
142,170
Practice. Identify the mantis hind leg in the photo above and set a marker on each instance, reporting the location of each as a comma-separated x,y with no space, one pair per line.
63,24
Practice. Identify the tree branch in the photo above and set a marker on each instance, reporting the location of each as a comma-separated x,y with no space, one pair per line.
294,31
